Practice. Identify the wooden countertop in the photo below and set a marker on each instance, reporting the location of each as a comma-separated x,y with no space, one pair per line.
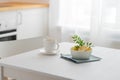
20,5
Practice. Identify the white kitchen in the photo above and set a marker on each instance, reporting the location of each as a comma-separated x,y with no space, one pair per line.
22,20
28,26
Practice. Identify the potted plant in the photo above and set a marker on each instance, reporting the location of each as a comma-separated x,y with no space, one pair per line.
82,49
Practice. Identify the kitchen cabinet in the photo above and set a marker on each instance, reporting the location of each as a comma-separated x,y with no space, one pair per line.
32,23
8,20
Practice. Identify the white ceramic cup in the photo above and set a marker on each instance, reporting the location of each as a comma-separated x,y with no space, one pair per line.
50,45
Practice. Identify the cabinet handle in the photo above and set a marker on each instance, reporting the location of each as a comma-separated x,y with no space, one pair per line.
19,18
0,25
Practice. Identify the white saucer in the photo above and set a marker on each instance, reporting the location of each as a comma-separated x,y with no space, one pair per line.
43,51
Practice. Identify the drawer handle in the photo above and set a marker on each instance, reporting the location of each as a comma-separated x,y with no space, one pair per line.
19,18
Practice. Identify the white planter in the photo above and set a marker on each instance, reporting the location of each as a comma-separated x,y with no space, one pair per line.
81,54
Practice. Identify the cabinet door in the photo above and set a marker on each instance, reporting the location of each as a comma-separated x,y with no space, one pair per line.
34,23
8,20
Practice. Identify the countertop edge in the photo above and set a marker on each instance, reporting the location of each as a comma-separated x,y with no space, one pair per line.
17,6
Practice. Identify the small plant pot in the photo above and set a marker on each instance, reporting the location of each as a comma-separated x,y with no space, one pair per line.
81,54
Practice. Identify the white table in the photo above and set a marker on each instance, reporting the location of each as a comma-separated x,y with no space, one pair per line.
34,65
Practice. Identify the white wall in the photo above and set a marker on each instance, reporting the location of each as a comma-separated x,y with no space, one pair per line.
54,29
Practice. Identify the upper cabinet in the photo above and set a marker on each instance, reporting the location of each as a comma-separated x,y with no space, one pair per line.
29,19
8,20
32,23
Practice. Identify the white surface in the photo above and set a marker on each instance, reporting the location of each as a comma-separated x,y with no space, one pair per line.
50,45
34,23
43,51
54,29
81,54
10,48
8,20
35,62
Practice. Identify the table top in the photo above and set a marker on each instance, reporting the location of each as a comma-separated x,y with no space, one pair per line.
106,69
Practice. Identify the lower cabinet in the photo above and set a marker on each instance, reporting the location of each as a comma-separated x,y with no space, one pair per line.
32,23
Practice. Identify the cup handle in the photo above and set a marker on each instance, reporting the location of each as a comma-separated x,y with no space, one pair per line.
57,46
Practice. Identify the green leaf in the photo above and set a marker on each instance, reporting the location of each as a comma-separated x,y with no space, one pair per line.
80,42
